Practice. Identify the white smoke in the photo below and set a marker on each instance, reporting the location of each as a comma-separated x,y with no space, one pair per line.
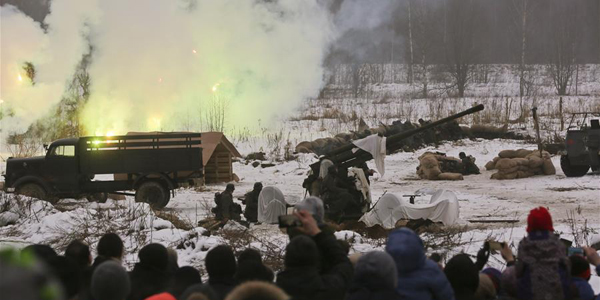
165,64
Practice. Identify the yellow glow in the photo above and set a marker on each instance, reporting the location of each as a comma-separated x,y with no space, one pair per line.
20,77
194,51
96,142
154,123
110,133
215,87
159,80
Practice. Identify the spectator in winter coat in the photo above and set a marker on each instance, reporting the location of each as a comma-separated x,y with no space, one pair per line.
375,278
257,290
463,276
580,272
221,267
79,252
250,267
418,277
110,282
542,268
149,275
301,278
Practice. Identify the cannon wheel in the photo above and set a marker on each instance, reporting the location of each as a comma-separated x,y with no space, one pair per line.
572,171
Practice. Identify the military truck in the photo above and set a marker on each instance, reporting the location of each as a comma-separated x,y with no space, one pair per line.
154,165
582,145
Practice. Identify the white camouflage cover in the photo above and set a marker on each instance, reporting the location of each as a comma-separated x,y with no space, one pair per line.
442,207
271,205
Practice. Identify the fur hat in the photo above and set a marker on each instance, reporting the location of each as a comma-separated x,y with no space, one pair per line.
539,219
110,281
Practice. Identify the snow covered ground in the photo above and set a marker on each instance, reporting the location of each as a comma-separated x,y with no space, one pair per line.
479,198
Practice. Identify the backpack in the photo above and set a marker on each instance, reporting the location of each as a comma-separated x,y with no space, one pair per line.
218,197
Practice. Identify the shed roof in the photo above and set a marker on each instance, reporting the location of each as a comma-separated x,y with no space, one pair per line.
210,141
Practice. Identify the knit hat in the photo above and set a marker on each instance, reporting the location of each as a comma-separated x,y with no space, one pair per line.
376,269
313,205
539,219
220,262
580,267
462,274
155,256
249,254
301,251
110,281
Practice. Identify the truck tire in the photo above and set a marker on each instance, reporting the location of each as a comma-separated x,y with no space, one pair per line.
153,193
572,171
35,190
97,197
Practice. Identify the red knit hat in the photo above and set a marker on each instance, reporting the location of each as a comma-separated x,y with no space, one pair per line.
539,219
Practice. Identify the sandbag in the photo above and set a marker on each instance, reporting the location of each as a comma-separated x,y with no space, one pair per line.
548,167
521,161
450,176
524,174
509,170
535,161
523,153
507,176
491,165
508,154
505,164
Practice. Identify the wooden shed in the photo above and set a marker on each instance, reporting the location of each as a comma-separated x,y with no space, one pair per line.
217,155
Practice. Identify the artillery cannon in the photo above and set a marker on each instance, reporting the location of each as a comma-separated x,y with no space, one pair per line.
348,156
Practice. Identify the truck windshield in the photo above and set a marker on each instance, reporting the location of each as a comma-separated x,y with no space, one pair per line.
65,150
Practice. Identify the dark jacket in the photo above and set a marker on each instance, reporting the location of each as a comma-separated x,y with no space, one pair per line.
221,286
226,205
584,288
375,278
418,277
303,281
251,211
146,281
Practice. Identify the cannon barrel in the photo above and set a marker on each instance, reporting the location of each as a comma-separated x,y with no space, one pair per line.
345,157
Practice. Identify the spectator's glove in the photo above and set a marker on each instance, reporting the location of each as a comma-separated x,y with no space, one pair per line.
482,256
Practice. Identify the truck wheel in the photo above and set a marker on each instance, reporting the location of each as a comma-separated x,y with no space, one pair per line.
97,197
153,193
34,190
572,171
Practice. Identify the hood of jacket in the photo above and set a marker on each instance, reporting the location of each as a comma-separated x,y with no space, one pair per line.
406,248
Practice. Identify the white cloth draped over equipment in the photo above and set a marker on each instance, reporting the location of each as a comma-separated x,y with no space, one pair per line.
271,205
375,145
442,207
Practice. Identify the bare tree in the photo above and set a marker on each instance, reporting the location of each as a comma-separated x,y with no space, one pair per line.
424,37
562,54
410,42
461,49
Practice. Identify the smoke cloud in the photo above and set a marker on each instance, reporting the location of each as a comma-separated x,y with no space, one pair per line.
169,65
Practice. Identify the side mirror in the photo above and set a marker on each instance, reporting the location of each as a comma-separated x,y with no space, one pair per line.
45,147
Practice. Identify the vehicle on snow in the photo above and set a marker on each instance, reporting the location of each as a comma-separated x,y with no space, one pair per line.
582,145
151,165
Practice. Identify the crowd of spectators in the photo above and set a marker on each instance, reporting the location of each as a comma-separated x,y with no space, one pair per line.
315,266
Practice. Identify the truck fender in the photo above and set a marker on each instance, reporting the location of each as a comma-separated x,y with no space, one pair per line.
162,176
32,179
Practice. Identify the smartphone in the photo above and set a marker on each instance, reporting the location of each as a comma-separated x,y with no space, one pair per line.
575,250
289,221
495,246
